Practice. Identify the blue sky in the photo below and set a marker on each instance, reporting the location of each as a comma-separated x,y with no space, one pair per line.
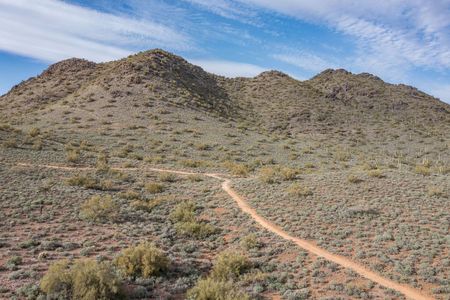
401,41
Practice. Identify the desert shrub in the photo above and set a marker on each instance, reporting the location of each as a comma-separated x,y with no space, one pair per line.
85,280
194,178
37,144
102,163
377,173
195,229
147,205
90,182
154,188
98,208
190,163
342,155
353,179
422,170
167,177
144,260
267,175
211,289
237,169
288,174
250,242
435,191
129,195
186,223
81,180
34,132
10,143
229,266
72,155
298,190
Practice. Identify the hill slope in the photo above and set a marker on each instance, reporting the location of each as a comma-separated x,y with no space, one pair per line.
273,100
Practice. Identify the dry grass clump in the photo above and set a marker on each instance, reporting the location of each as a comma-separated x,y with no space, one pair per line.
288,174
99,209
84,280
250,242
422,170
436,191
237,169
353,178
187,224
167,177
34,132
267,175
73,155
102,163
10,143
144,260
154,188
276,174
299,190
190,163
147,205
377,173
90,182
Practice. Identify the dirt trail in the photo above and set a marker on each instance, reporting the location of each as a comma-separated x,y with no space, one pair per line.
407,291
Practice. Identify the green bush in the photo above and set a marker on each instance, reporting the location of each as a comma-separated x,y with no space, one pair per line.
250,242
84,280
229,266
211,289
147,205
143,260
195,229
184,212
186,223
98,209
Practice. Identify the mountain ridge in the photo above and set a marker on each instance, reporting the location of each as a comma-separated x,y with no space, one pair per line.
272,99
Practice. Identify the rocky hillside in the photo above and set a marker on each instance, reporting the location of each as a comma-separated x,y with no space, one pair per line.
272,100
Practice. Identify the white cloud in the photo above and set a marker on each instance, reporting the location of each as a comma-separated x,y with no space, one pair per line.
229,68
52,30
406,32
227,9
305,61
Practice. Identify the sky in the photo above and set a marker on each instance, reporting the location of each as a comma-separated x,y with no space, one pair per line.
401,41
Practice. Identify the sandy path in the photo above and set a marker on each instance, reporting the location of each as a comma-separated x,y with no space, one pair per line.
409,292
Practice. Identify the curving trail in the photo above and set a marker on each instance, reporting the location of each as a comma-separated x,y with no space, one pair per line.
363,271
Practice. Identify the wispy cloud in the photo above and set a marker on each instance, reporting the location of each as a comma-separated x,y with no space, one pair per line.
305,61
228,9
406,32
52,30
229,68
